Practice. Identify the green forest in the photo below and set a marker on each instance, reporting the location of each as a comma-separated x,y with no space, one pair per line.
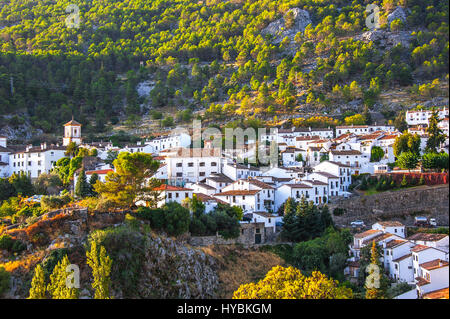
208,55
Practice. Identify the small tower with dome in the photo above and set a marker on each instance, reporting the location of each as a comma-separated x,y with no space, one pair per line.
72,132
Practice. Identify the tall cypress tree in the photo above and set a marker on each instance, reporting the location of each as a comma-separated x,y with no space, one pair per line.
92,181
435,135
37,290
82,188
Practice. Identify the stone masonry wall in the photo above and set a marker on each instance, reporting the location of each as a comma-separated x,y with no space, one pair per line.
400,205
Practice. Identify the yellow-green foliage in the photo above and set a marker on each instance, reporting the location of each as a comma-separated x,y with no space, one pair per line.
37,290
289,283
100,264
58,288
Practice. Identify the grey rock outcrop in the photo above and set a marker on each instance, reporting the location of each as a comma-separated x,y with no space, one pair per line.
278,27
385,39
173,270
398,13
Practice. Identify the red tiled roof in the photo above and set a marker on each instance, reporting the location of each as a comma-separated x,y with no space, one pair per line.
367,233
73,123
238,193
437,294
421,281
99,172
395,243
418,248
300,185
205,198
402,258
390,223
434,264
346,152
427,237
170,188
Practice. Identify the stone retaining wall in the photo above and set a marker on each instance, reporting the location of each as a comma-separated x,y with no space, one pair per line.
400,205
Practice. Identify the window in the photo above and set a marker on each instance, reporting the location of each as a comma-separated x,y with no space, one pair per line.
176,195
202,174
179,174
213,164
202,164
186,195
169,195
179,164
191,164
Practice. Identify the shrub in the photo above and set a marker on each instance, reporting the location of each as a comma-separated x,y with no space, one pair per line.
5,281
339,211
55,202
12,245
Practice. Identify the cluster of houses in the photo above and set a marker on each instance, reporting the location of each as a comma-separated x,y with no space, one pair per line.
420,260
313,163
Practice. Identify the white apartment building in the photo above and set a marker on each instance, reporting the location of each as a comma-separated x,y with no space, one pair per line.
159,144
422,254
169,193
439,241
392,251
331,180
35,161
237,171
289,157
392,227
268,219
295,191
281,135
362,129
421,117
4,157
248,200
434,277
265,199
192,165
210,202
343,171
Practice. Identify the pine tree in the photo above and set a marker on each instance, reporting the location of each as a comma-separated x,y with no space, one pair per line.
435,135
92,181
100,264
58,287
289,219
82,188
37,290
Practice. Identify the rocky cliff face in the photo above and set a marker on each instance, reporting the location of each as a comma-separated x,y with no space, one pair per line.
280,31
173,270
168,268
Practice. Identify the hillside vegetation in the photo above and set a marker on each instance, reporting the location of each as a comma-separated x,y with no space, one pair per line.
231,58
